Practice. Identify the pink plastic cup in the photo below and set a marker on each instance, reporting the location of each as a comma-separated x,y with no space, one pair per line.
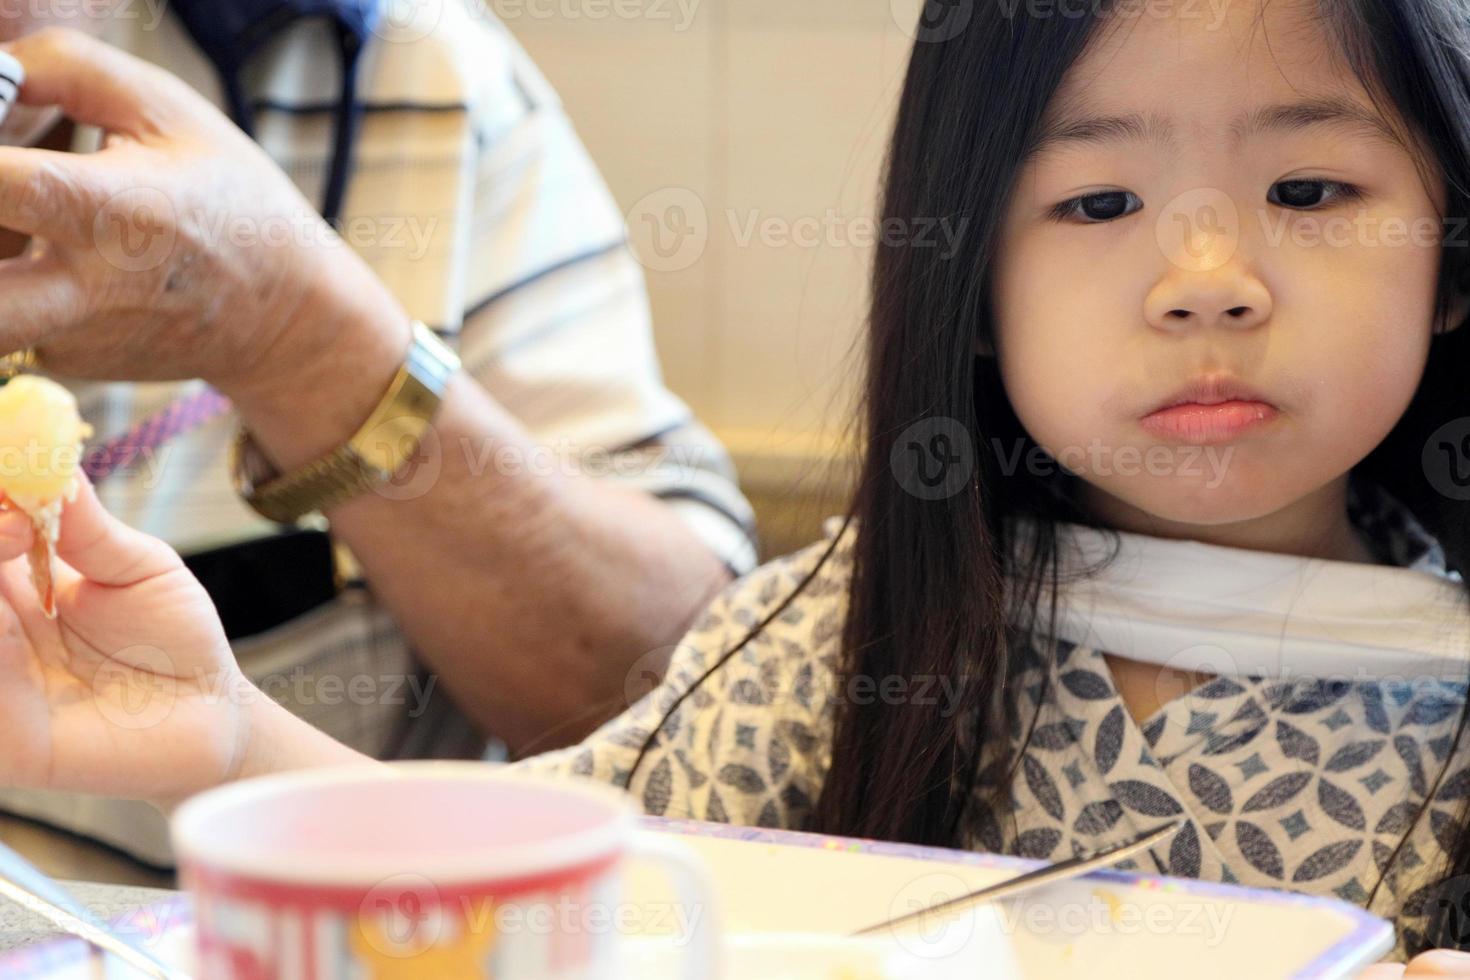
451,870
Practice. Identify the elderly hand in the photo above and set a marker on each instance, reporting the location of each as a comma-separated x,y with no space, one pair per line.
1435,963
177,250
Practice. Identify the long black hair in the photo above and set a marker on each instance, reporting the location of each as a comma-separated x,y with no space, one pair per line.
929,593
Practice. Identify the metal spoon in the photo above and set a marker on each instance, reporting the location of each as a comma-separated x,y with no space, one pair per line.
25,885
1044,875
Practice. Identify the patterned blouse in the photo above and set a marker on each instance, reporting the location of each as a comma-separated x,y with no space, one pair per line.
1307,784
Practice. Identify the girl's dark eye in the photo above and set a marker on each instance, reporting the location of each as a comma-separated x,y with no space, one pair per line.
1300,194
1096,208
1312,194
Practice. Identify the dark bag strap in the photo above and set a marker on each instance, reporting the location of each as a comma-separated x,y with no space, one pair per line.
231,33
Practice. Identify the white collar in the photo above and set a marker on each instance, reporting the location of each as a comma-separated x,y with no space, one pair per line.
1196,606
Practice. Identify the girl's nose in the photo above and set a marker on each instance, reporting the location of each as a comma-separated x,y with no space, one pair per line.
1224,297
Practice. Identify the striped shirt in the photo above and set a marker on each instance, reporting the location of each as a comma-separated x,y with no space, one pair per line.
473,199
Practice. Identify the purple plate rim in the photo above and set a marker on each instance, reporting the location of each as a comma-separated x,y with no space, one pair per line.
1370,934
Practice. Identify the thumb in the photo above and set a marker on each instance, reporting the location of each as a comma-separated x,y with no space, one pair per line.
1439,963
103,549
15,534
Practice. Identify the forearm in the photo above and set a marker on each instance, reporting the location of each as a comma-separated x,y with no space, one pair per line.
530,594
272,739
277,741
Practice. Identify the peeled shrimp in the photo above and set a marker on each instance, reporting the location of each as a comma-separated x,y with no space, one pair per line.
41,435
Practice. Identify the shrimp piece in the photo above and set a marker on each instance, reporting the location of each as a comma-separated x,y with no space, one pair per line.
41,434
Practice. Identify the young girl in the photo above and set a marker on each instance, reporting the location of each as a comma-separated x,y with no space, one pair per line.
1251,616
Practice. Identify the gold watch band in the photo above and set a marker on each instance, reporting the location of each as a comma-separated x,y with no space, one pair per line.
387,440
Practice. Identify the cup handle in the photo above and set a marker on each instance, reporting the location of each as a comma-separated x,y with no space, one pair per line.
694,890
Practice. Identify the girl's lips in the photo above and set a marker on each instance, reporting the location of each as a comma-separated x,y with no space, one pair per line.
1207,424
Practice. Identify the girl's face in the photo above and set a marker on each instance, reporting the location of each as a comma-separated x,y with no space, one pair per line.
1222,198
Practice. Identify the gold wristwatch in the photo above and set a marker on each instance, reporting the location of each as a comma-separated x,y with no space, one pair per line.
387,440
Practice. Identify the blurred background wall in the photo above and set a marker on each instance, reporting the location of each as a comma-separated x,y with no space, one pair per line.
743,140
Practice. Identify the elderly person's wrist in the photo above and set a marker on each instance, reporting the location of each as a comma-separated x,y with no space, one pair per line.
333,361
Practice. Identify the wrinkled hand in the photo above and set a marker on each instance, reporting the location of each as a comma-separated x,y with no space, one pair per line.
177,250
1435,963
132,690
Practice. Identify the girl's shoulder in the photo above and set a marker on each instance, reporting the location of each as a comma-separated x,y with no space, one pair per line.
737,728
803,594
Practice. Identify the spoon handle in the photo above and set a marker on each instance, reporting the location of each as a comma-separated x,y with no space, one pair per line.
25,885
